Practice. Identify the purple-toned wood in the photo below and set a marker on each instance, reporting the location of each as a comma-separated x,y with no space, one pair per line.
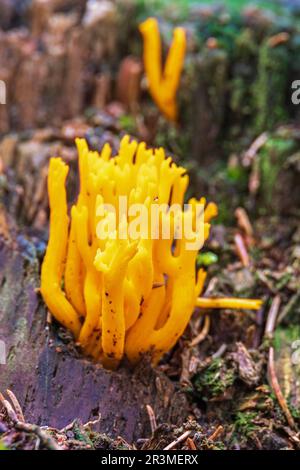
52,384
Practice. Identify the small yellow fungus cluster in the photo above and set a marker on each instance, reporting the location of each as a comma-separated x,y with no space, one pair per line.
163,83
123,295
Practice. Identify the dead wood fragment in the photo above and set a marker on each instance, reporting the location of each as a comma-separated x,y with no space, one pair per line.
152,418
177,441
272,318
278,39
129,82
289,306
245,225
248,370
258,143
269,334
203,333
241,250
216,433
277,390
190,443
45,369
17,406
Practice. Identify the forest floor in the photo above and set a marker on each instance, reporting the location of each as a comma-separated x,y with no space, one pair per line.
239,370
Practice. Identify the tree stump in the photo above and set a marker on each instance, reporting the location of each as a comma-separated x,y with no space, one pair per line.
53,385
52,381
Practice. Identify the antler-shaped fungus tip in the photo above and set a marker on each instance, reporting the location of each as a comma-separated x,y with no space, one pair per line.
163,82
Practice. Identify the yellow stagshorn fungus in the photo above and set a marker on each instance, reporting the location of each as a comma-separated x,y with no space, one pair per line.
163,83
121,294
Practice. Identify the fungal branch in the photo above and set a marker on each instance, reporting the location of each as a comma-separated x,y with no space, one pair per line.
163,83
120,289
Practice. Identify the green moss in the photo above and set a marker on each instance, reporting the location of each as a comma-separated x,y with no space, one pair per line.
295,412
207,258
284,335
243,423
214,380
243,73
81,435
271,159
270,87
127,123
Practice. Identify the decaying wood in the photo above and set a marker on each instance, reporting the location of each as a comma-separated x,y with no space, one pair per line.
52,381
53,384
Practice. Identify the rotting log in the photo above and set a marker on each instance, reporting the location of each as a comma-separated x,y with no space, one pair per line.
44,369
54,384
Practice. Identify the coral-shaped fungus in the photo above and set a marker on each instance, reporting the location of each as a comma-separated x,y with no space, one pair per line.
124,295
163,83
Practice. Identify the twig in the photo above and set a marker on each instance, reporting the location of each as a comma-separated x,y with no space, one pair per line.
244,223
49,318
211,287
241,250
277,39
16,405
269,334
152,418
216,433
203,333
272,316
254,148
254,179
89,424
37,443
276,387
191,444
292,435
263,278
179,439
121,440
45,438
220,351
68,427
7,406
289,306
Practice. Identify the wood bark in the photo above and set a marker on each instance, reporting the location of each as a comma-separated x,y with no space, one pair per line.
52,382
